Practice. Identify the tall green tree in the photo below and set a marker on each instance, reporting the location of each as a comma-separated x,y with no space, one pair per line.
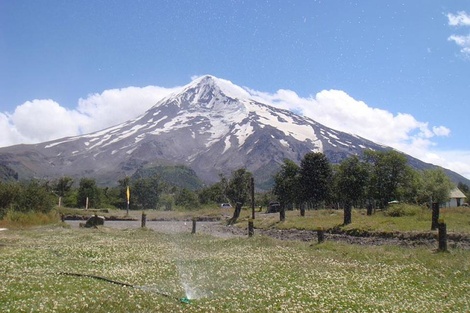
145,193
88,189
238,187
352,180
286,183
315,178
436,186
389,173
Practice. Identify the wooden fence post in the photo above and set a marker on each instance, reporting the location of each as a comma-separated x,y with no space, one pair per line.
442,236
251,229
144,220
193,230
347,214
320,234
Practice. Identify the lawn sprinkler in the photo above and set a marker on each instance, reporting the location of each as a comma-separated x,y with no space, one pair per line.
185,300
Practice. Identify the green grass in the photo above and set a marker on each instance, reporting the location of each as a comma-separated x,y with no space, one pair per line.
15,220
256,274
457,220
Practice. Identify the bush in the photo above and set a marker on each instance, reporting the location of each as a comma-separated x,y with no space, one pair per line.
402,209
34,197
14,219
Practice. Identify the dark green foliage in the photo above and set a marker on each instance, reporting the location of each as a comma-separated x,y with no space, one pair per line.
145,193
286,183
187,199
389,173
9,193
213,194
26,197
88,189
35,197
62,186
351,181
315,178
180,176
238,187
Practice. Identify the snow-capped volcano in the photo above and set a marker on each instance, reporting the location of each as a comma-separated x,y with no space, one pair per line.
210,125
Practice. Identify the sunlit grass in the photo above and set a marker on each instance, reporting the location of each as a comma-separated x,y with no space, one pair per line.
224,275
14,219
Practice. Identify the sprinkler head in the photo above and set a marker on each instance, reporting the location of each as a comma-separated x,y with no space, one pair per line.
185,300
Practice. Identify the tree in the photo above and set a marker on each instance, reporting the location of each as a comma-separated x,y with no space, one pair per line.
436,186
187,199
146,192
238,187
286,183
351,179
62,187
34,197
315,178
88,189
389,172
238,191
214,193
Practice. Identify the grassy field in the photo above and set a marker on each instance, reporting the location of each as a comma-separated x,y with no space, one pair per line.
255,274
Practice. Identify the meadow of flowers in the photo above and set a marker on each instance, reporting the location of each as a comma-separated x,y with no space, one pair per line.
255,274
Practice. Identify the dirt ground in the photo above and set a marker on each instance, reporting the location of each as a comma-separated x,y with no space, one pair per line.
219,229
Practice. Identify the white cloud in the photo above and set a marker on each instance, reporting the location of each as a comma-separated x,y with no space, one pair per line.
118,105
43,120
463,41
459,19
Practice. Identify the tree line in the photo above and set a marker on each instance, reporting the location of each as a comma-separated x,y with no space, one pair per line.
374,179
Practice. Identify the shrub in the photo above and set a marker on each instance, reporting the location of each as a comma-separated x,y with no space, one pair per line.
402,209
14,219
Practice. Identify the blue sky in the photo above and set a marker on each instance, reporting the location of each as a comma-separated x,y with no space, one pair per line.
396,72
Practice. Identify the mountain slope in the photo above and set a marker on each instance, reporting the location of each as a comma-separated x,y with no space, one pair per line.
210,125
